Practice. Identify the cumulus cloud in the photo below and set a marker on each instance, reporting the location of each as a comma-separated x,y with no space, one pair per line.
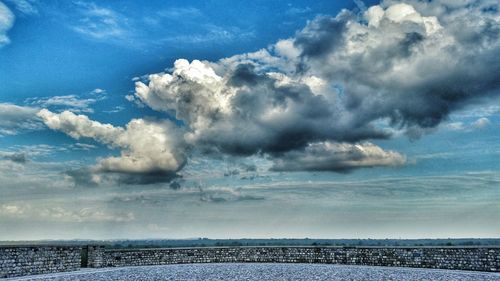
338,157
406,63
16,119
313,101
151,151
6,23
247,112
403,65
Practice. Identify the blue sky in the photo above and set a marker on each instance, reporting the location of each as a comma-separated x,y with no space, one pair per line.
332,119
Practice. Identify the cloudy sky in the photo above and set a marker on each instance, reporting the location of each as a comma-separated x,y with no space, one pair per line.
332,119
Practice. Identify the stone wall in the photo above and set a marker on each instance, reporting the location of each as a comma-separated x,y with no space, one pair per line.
96,256
30,260
464,258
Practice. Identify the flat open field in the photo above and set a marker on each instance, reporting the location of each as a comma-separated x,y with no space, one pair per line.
262,271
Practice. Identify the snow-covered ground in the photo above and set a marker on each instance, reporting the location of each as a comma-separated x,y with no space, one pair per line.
262,271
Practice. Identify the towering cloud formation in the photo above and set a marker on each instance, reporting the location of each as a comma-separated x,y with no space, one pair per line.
313,101
247,111
406,66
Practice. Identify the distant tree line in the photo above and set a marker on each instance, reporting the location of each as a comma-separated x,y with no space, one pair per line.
205,242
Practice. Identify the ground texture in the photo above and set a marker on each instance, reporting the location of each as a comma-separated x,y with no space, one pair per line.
262,271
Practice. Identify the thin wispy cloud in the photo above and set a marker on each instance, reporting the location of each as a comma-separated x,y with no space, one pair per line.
212,34
74,103
25,7
23,211
295,11
192,27
100,23
478,124
6,22
180,13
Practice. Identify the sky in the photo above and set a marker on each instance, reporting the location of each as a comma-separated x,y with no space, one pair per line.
253,119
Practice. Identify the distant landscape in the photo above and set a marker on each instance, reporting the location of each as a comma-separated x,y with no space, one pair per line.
205,242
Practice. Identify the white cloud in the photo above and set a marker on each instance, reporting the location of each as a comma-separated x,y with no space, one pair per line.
340,157
101,23
147,147
71,102
136,101
481,123
6,23
80,126
210,33
467,127
480,111
130,98
180,13
456,126
360,4
116,109
74,103
84,146
98,91
323,92
16,119
336,79
297,11
400,13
